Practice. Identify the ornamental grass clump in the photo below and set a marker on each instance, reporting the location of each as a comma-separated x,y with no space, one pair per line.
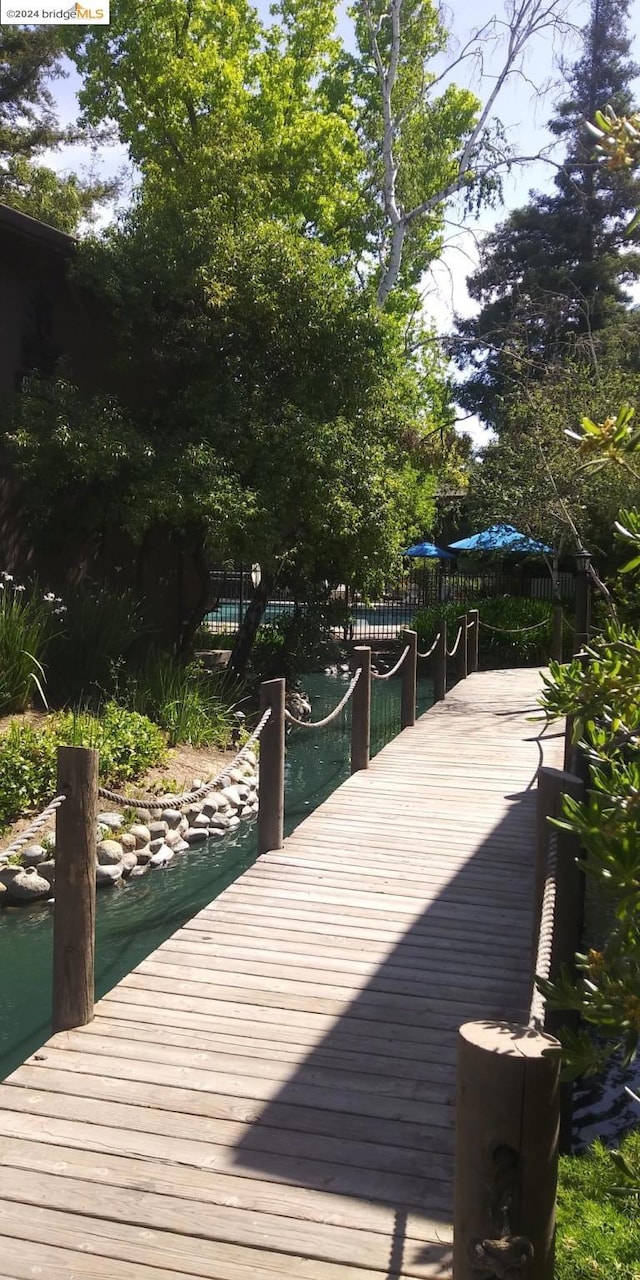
191,704
28,619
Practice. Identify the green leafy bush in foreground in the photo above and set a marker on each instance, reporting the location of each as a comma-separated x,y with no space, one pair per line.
598,1225
128,743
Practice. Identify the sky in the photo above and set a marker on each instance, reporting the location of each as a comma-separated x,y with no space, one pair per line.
524,107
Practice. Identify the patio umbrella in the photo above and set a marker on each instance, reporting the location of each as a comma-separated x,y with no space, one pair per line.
428,551
500,537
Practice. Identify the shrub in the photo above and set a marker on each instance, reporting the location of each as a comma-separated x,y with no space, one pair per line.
598,1228
128,744
510,644
27,620
98,631
192,705
297,642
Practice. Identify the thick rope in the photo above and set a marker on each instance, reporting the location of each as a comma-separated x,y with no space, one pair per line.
394,670
34,826
188,797
319,724
452,652
431,650
515,631
545,936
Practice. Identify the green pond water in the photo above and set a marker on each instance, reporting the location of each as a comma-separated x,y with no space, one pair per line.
133,920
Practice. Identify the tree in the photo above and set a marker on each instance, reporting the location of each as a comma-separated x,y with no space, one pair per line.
29,58
554,277
528,476
266,411
363,151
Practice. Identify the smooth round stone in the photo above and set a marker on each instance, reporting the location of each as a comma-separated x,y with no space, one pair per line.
195,834
158,829
232,796
9,872
128,842
202,820
48,871
138,871
143,855
235,775
181,847
3,888
172,817
216,833
108,873
234,822
109,853
33,854
183,825
212,803
144,816
249,756
220,821
111,820
173,838
161,856
4,858
141,834
129,863
246,812
192,813
156,844
197,784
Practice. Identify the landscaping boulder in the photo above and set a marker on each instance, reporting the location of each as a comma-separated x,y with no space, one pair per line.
109,853
27,886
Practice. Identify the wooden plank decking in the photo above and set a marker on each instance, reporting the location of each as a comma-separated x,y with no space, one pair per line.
271,1093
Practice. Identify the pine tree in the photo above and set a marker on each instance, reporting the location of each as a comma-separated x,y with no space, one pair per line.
553,278
29,59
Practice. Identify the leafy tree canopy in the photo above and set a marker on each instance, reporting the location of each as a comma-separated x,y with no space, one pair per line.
29,59
555,275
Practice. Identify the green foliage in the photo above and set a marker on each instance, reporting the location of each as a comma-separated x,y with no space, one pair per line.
95,636
27,621
598,1228
553,278
29,59
296,643
507,614
531,477
128,744
191,704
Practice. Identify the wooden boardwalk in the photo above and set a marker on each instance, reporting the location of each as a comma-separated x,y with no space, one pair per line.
271,1093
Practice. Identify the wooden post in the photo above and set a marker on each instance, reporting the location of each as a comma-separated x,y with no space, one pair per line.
271,788
440,665
473,636
462,655
74,916
556,641
583,602
361,710
409,676
507,1122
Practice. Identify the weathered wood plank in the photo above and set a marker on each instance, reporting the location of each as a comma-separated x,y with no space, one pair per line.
270,1095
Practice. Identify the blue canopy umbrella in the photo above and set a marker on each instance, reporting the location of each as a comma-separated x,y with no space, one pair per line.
500,537
428,551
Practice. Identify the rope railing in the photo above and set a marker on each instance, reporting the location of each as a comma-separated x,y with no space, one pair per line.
333,715
452,652
431,650
377,675
35,826
515,631
545,936
188,797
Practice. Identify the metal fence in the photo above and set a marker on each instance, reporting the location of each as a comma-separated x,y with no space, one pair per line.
413,589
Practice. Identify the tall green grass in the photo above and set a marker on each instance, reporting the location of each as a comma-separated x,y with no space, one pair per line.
192,705
27,622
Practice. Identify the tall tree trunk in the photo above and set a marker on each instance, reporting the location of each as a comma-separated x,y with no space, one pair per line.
248,627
